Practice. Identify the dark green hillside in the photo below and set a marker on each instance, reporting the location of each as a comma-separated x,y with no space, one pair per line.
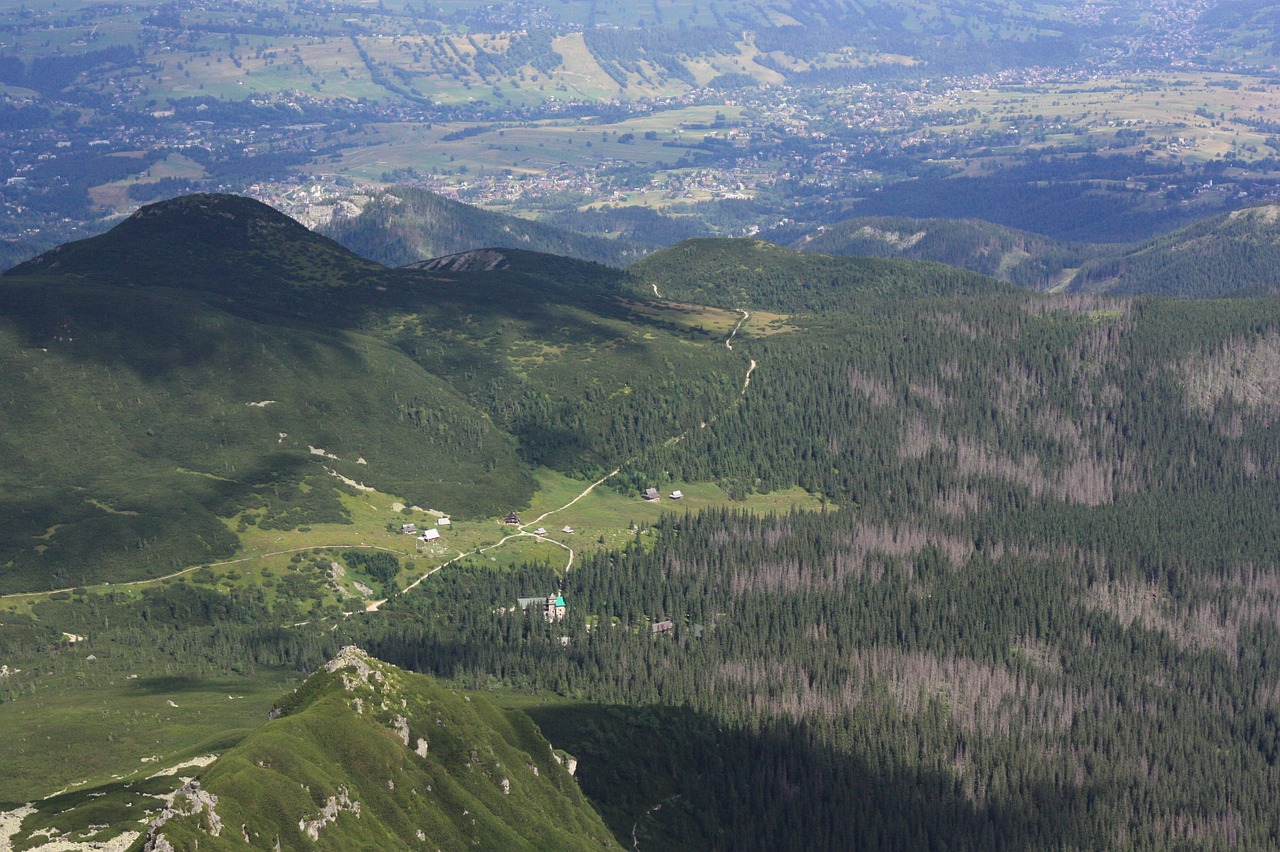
1021,257
1043,616
367,756
1235,253
756,274
132,418
1022,398
222,243
560,353
200,394
404,225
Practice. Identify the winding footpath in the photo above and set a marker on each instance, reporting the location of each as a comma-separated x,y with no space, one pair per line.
729,340
373,606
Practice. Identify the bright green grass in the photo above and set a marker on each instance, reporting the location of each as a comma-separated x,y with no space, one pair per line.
91,724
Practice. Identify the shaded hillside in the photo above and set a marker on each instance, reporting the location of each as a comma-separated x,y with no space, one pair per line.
1020,257
404,225
219,378
222,243
367,756
756,274
133,419
1232,254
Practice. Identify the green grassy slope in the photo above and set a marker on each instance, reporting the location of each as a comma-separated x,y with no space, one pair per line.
395,761
757,274
132,420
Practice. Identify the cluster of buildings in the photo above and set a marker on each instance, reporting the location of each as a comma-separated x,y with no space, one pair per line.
425,536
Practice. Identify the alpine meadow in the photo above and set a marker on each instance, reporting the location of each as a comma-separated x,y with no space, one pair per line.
662,426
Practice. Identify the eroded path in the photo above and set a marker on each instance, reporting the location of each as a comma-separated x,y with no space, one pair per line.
373,606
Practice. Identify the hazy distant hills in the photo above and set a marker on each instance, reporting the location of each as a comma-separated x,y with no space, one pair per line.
1021,257
368,756
1235,253
404,225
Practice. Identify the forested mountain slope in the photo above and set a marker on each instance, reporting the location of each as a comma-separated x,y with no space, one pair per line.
1042,615
1021,257
1035,606
755,274
403,225
1237,253
211,359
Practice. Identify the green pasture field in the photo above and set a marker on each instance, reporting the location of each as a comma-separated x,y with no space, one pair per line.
604,518
1162,105
106,721
523,149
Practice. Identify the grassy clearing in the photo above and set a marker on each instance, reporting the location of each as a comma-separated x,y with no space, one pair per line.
125,714
531,149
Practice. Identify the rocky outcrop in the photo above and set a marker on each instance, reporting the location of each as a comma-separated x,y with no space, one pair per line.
480,260
329,813
190,800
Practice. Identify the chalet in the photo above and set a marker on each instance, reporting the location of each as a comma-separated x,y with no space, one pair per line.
677,495
651,494
540,531
431,535
552,607
444,522
409,529
567,529
512,520
660,627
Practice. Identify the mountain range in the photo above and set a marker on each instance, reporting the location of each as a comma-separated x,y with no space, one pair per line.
1221,255
845,552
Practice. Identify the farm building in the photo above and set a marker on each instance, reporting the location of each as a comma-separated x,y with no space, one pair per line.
651,494
552,607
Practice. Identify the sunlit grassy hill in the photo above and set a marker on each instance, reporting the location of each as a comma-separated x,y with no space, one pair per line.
135,420
367,756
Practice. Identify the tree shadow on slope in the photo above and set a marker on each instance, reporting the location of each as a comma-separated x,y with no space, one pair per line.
672,778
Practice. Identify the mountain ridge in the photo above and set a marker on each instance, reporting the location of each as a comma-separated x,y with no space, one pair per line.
227,243
366,755
405,225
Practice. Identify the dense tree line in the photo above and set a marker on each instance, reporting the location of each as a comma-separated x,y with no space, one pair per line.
1045,614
